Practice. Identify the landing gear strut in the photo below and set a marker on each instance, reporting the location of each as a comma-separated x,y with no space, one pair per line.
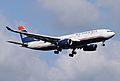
103,43
73,53
58,50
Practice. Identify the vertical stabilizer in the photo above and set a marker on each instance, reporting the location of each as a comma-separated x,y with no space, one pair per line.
24,38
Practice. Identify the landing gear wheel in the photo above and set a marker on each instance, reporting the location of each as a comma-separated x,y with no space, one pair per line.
71,55
56,52
103,44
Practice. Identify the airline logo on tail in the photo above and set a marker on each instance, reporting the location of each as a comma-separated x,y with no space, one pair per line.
21,28
24,38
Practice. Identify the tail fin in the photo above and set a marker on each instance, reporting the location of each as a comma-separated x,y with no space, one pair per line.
24,38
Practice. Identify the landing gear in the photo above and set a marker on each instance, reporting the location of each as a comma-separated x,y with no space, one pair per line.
56,52
103,43
73,53
59,49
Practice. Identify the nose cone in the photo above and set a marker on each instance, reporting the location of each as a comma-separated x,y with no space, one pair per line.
112,34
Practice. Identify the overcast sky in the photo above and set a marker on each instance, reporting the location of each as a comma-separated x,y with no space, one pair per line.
59,17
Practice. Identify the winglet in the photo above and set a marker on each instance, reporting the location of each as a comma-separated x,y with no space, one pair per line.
8,28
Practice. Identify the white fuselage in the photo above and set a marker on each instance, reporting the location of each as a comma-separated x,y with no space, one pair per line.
93,36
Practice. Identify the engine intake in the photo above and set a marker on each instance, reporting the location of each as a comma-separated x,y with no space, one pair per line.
65,42
91,47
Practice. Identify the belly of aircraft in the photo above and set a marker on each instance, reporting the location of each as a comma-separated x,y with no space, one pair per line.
41,45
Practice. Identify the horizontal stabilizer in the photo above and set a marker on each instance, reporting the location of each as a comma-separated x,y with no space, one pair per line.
13,42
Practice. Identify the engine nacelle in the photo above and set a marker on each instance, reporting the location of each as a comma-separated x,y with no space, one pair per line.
91,47
65,42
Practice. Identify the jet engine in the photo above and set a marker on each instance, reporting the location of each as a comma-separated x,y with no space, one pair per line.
91,47
64,42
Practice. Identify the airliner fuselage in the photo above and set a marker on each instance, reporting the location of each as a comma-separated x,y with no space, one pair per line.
80,39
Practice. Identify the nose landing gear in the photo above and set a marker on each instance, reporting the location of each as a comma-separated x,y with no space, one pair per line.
103,43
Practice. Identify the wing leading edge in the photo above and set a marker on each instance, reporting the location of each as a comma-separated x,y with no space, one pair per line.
50,39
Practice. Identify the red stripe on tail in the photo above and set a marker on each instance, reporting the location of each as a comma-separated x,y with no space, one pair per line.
21,28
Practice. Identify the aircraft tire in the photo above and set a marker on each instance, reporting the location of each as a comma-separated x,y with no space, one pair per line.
56,52
71,55
103,45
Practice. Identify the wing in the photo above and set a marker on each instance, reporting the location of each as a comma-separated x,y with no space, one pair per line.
50,39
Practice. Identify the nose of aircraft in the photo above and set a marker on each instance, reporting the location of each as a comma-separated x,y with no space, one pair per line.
112,34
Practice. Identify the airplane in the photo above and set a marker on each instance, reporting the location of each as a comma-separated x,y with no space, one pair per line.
84,40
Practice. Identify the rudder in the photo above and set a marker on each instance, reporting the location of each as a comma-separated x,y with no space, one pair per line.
24,38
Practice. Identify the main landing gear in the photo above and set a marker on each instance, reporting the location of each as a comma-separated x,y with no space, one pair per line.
73,53
58,50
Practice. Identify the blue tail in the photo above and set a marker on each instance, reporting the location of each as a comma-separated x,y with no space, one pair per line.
24,38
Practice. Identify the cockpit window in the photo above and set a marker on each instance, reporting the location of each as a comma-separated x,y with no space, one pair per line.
109,31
